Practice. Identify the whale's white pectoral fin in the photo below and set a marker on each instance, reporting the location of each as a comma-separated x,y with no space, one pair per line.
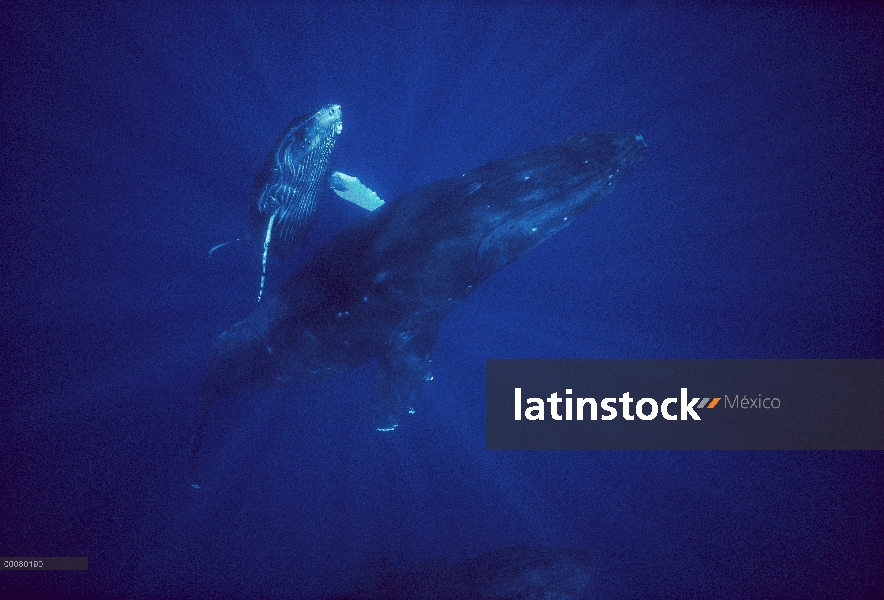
351,189
267,238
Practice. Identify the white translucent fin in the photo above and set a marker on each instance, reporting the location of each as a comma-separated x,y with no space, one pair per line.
266,248
352,190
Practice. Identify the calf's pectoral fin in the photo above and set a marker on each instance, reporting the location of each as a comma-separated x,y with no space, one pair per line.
352,190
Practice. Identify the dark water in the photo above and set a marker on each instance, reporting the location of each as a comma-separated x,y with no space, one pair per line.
130,137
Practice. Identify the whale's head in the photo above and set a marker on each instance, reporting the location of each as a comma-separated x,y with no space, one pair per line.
531,197
308,134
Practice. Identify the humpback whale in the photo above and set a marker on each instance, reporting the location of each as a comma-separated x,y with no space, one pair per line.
381,287
284,194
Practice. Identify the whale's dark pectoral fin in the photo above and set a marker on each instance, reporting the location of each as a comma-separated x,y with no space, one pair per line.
244,360
405,365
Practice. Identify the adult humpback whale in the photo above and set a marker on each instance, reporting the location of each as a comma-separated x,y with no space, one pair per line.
379,289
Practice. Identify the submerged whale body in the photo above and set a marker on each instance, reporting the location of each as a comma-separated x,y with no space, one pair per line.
514,573
380,288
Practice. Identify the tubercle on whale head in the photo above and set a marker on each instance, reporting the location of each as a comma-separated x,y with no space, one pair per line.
329,118
309,131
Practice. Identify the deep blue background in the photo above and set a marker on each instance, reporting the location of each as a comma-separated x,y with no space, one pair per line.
130,136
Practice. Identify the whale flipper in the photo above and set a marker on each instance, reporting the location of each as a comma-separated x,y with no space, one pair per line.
352,190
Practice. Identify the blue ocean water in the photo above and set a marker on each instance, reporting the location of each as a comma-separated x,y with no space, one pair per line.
131,134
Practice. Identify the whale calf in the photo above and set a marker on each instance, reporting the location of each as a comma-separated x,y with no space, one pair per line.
285,192
379,290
